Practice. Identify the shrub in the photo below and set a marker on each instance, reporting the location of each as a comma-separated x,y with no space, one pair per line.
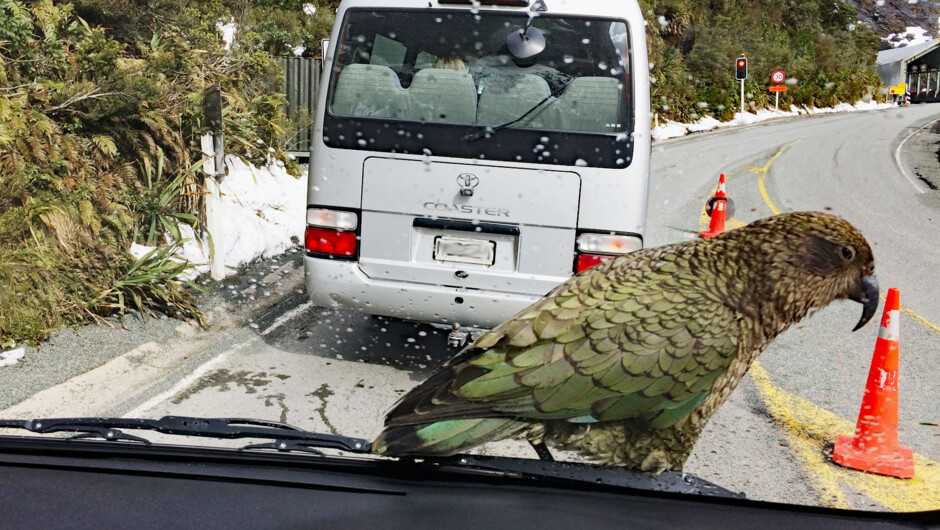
830,57
100,119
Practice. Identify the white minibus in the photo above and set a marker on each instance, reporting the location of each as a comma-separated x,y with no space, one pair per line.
470,156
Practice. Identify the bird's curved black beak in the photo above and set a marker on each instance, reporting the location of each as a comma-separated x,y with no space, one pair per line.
866,294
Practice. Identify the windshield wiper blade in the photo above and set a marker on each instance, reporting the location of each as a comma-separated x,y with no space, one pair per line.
542,470
491,130
286,437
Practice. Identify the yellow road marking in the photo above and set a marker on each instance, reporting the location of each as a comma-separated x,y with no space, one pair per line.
919,319
808,427
763,171
781,407
763,191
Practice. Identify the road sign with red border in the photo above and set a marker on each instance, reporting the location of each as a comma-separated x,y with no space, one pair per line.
778,76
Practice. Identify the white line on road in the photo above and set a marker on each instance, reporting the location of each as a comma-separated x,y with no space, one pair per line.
214,362
279,321
188,380
897,156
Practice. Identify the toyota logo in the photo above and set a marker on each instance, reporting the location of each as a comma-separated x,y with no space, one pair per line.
468,180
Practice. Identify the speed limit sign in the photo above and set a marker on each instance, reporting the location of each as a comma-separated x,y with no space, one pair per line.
778,76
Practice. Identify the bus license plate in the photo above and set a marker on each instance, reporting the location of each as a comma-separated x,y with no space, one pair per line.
462,250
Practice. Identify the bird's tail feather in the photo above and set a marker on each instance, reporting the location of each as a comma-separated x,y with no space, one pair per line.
443,438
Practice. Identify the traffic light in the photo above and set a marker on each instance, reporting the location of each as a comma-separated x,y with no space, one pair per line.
740,68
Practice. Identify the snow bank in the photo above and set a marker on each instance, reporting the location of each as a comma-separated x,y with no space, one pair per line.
672,129
263,209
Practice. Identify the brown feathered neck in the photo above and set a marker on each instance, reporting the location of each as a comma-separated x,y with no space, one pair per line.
781,269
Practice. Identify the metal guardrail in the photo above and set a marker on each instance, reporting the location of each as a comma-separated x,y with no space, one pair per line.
301,84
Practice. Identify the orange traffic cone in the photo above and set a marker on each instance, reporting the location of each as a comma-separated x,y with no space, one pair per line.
875,447
721,187
720,203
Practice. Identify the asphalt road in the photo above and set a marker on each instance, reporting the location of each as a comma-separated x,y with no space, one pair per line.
271,354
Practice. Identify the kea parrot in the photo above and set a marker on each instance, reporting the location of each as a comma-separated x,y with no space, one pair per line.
627,361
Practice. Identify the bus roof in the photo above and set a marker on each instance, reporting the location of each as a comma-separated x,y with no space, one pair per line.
601,8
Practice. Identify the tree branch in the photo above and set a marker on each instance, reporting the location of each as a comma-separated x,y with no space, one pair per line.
91,94
17,87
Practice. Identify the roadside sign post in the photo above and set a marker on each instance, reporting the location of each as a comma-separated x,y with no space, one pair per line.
213,148
777,77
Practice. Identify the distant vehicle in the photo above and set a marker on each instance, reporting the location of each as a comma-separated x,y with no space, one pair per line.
469,158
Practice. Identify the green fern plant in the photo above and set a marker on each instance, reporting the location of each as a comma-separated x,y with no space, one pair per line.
156,281
157,203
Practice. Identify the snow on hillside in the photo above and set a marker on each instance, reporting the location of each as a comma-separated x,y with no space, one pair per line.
911,36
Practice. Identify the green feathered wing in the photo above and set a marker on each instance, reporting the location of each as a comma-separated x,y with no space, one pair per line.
644,336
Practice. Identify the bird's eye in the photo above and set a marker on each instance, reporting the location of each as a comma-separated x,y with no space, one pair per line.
848,253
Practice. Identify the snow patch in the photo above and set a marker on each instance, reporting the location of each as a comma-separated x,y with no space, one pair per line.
9,358
228,30
139,251
909,37
672,129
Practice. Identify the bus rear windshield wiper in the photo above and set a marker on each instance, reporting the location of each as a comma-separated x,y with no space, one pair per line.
490,130
285,437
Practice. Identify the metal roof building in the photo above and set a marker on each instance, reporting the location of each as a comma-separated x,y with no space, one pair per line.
917,65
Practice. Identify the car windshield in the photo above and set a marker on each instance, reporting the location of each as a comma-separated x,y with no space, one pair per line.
670,243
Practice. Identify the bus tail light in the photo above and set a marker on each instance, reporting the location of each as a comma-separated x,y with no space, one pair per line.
586,261
331,232
593,248
330,242
336,219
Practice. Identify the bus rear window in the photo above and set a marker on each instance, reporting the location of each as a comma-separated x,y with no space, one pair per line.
454,67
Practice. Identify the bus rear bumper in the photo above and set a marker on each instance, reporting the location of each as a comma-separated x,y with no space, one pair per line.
342,285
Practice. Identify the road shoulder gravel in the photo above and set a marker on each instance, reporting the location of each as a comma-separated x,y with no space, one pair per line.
237,301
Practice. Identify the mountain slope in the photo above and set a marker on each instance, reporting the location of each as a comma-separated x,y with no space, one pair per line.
891,20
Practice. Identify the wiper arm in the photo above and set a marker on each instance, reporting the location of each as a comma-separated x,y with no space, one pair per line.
490,130
286,437
670,481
